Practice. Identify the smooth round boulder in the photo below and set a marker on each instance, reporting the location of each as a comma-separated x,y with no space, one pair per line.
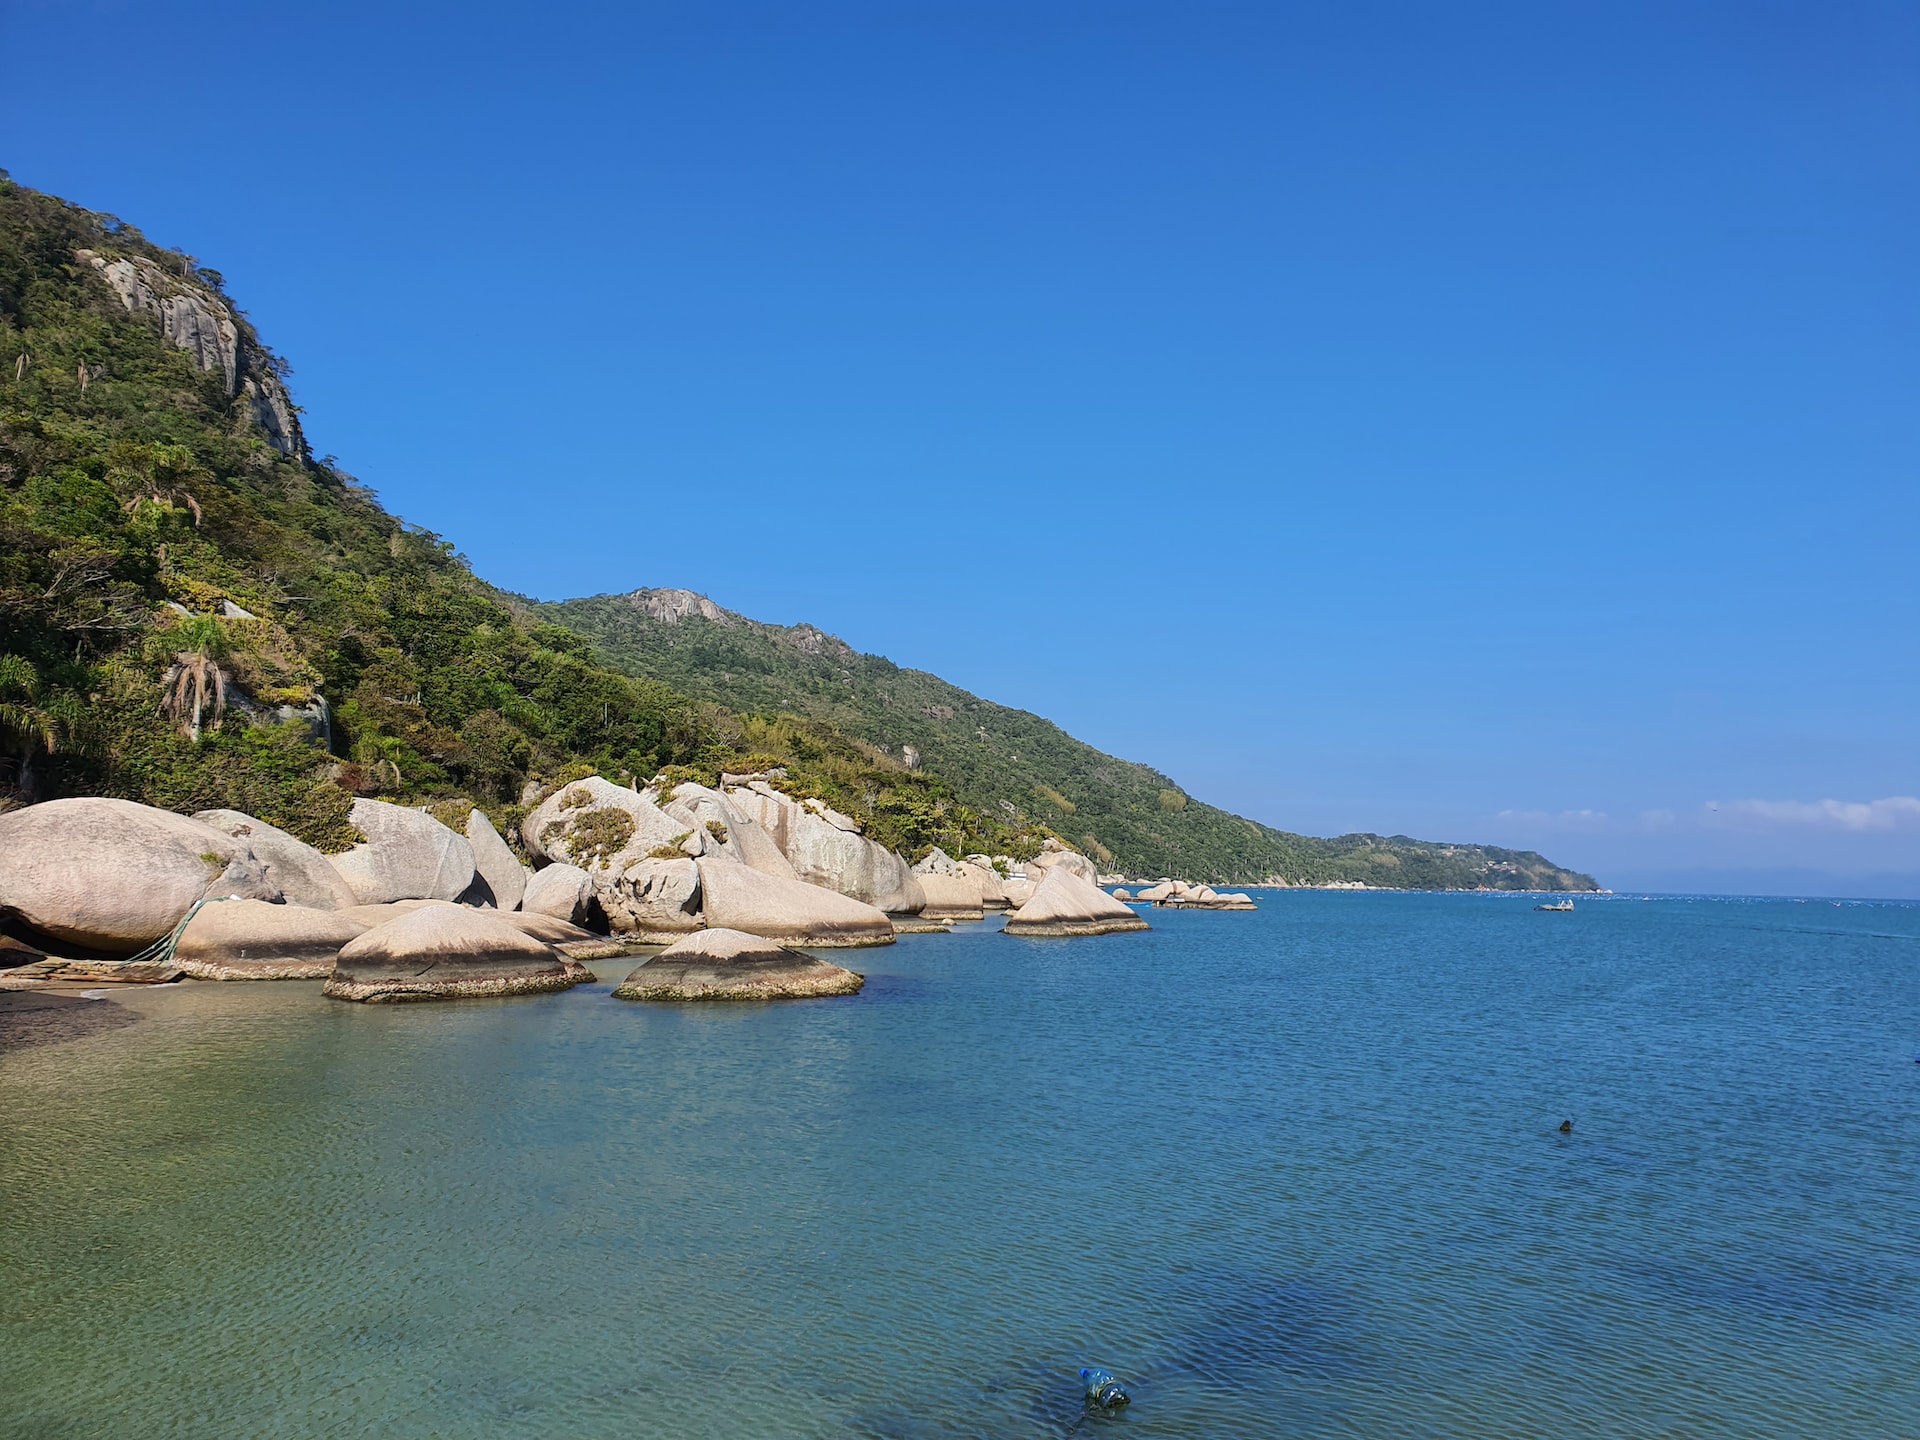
792,912
113,876
562,891
253,940
1065,903
731,965
300,872
445,952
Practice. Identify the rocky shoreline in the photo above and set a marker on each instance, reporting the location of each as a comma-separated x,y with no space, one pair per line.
735,880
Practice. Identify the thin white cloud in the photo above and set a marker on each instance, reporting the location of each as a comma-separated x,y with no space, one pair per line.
1894,812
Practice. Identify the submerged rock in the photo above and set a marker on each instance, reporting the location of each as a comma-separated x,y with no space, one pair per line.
733,897
301,873
114,876
443,952
506,877
1065,903
409,855
730,965
253,940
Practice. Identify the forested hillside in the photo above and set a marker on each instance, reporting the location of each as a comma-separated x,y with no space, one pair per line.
1019,765
194,612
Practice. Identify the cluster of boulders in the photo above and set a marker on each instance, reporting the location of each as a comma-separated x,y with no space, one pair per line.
419,910
1179,895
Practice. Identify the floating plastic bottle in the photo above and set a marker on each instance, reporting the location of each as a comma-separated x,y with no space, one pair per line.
1103,1390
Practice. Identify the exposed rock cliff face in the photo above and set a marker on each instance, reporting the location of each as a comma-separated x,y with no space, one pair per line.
670,607
199,322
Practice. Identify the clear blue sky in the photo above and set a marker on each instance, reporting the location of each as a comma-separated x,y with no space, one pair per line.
1479,421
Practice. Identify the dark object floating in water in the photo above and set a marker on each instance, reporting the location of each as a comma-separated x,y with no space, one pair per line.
1564,907
1566,1127
1103,1391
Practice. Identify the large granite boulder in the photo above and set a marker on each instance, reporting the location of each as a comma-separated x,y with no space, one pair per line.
993,889
1157,894
444,952
736,897
1053,855
301,872
730,965
253,940
826,848
1066,903
408,855
562,891
653,901
727,833
506,877
949,897
1018,890
600,826
113,876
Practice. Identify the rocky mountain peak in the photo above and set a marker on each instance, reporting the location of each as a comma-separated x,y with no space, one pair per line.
670,607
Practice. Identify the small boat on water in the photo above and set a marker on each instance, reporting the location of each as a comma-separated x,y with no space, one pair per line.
1563,905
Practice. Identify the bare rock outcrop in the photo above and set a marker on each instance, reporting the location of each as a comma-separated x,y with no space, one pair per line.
300,872
826,848
1066,903
725,832
254,940
114,876
195,319
408,855
732,965
444,952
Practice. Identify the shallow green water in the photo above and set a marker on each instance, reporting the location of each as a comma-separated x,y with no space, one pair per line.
1292,1174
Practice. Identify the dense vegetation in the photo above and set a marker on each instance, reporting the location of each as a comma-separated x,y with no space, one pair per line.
195,612
1026,769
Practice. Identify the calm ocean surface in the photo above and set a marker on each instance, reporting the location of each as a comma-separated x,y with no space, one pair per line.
1293,1173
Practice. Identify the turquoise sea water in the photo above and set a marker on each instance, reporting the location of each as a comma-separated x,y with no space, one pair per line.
1294,1173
